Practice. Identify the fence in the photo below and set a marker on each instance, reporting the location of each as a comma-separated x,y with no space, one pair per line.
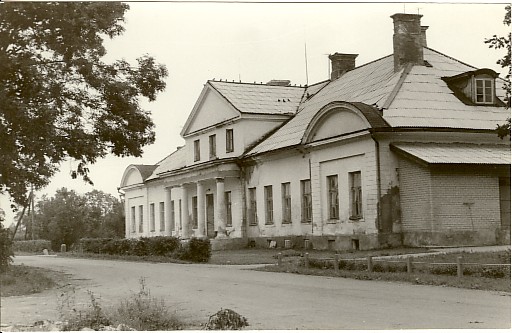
409,263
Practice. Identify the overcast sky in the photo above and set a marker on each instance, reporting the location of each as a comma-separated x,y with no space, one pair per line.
258,42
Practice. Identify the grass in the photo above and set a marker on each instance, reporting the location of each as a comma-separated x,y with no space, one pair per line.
123,257
25,280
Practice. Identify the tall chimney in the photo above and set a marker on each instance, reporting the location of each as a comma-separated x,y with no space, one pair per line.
341,63
407,40
424,35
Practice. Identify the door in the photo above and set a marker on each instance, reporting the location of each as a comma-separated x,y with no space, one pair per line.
210,216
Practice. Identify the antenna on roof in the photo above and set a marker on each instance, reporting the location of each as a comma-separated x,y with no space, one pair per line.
306,60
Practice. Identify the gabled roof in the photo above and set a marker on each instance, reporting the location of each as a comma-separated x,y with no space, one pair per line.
176,160
260,98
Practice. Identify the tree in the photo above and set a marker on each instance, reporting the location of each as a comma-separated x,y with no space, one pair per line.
59,99
499,43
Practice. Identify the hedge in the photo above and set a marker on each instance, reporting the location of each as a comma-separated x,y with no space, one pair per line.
197,250
31,246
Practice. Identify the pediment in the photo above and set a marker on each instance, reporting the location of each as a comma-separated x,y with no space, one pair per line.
211,109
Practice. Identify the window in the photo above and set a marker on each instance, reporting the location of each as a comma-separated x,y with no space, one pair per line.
213,146
269,205
287,203
229,217
484,91
229,141
162,216
252,216
152,217
334,208
306,203
141,219
194,212
356,202
181,216
173,217
197,151
134,223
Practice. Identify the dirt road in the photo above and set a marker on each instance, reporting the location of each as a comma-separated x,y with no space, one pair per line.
269,300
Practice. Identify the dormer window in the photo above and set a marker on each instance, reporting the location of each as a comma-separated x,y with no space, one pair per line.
475,87
484,91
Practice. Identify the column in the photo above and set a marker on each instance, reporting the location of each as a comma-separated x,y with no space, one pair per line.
200,209
168,217
185,233
220,210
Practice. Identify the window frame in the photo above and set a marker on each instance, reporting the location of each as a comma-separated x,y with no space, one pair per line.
253,206
134,219
161,207
172,211
212,143
269,204
333,197
195,222
355,195
230,140
306,201
286,196
229,215
197,150
141,218
491,94
152,217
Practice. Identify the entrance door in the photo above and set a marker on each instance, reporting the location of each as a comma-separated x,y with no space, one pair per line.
505,202
210,216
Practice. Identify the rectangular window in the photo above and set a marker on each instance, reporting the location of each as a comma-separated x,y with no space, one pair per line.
152,217
306,202
181,215
332,197
484,91
213,146
162,216
252,216
229,141
356,202
134,217
194,212
229,217
269,205
197,151
173,217
287,202
141,219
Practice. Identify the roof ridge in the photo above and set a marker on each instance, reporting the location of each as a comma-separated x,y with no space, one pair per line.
257,84
449,57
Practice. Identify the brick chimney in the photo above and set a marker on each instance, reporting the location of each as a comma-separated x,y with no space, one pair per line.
424,35
341,63
407,40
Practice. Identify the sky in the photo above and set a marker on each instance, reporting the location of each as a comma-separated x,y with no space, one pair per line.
258,42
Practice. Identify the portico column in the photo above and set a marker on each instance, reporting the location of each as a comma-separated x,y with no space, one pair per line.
200,209
168,217
220,209
184,212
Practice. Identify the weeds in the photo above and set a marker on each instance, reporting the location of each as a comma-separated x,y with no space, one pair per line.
23,280
226,319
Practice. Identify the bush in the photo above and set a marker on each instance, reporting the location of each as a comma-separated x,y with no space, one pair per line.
226,319
93,317
145,313
31,246
196,249
162,246
5,249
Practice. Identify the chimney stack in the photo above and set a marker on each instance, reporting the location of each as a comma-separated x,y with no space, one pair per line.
424,35
408,39
341,63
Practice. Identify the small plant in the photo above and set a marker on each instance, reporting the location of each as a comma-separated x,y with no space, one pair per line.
226,319
143,312
92,317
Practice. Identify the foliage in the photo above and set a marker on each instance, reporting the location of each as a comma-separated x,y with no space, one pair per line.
196,250
226,319
500,42
59,99
143,312
5,249
31,246
25,280
93,317
144,246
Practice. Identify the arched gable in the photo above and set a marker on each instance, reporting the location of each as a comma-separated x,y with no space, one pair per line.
339,118
136,174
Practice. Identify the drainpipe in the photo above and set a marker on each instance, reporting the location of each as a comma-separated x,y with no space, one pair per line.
311,184
379,182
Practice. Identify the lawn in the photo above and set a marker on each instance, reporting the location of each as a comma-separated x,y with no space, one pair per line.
24,280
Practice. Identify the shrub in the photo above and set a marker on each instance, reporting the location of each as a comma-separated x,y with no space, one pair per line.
145,313
226,319
93,317
32,246
162,246
94,245
5,249
196,249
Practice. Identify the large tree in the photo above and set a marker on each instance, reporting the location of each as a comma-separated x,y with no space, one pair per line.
59,99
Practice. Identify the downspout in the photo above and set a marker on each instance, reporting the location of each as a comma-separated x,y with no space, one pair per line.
311,184
379,182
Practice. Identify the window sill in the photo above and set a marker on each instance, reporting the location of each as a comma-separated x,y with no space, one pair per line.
333,221
355,218
253,224
305,222
286,222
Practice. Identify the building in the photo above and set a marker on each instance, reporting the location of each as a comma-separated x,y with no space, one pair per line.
398,151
